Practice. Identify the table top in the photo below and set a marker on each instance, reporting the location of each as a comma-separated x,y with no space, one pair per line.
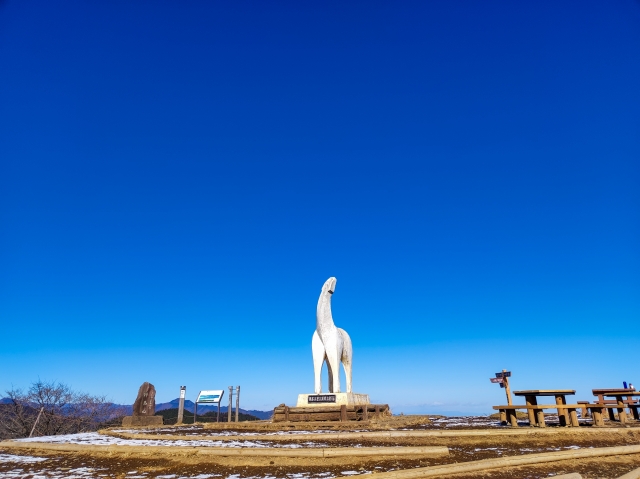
610,391
545,392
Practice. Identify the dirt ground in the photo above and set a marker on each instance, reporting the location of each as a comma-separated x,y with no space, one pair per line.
175,463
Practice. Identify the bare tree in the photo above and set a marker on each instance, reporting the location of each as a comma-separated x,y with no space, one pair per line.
64,411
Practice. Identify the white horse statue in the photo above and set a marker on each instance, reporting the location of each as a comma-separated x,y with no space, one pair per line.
330,344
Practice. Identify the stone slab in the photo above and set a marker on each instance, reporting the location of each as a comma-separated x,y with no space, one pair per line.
142,421
145,404
332,399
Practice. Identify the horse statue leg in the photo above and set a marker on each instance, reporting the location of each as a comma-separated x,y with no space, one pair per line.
330,376
318,358
333,348
347,356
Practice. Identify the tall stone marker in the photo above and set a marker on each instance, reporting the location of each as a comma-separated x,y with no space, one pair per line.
144,408
145,404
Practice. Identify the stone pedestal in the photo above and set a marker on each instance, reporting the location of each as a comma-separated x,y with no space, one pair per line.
142,421
332,399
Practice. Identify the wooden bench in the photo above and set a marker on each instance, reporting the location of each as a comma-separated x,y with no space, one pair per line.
560,396
360,412
624,398
508,413
598,409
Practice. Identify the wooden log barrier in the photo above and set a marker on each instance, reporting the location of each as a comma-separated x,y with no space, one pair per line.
357,453
509,461
359,412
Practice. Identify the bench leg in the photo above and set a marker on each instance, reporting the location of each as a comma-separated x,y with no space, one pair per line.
503,417
562,419
584,412
622,415
540,417
634,412
612,415
531,401
511,416
596,414
573,417
532,417
562,413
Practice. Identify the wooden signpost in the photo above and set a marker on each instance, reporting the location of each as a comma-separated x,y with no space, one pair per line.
183,391
503,379
230,410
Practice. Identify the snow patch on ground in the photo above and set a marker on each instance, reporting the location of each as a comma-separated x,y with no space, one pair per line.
93,438
465,421
209,432
24,459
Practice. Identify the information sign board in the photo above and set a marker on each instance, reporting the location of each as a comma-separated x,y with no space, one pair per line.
321,398
210,397
496,380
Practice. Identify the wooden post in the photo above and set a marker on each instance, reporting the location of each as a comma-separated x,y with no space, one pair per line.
237,402
183,391
531,401
540,417
218,420
573,416
365,413
36,423
195,411
230,403
622,415
343,413
512,418
562,413
507,389
503,417
597,416
286,413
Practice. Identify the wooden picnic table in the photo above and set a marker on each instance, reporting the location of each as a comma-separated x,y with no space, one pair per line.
536,416
624,398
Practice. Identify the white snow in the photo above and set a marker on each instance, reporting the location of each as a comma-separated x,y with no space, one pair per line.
93,438
209,432
462,421
23,459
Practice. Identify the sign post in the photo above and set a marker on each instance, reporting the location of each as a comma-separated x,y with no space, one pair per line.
237,402
503,379
183,391
208,397
233,390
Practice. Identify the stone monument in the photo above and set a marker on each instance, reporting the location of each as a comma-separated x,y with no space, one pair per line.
332,345
144,408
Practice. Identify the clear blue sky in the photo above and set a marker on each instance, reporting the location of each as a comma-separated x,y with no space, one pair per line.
178,179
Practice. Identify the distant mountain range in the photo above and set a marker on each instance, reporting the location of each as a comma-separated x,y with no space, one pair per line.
188,406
